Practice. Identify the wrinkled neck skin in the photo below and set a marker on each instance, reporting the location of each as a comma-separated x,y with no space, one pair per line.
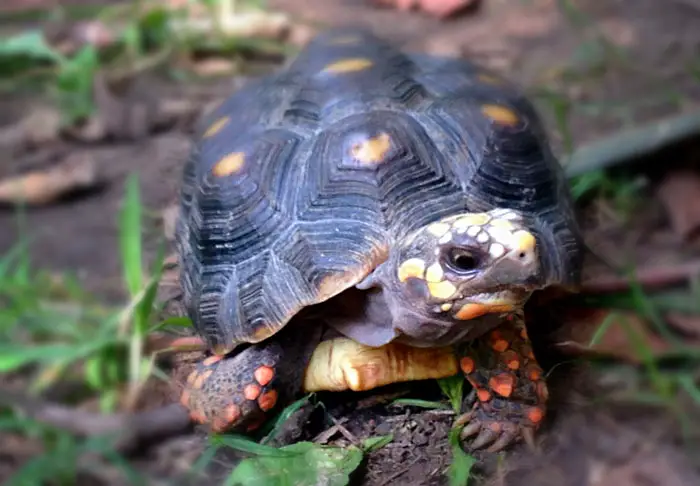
378,312
412,322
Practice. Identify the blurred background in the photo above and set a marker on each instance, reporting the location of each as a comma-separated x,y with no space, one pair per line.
98,101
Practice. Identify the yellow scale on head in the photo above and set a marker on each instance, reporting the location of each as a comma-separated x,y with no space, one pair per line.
442,290
411,268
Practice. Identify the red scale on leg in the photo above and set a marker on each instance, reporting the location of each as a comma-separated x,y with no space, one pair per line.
237,391
509,386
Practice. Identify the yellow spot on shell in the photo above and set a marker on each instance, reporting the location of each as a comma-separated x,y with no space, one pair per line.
229,165
434,273
524,241
373,150
446,306
441,290
500,114
348,65
476,219
413,267
216,127
438,229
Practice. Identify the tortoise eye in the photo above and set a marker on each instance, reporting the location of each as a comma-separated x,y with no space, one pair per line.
463,260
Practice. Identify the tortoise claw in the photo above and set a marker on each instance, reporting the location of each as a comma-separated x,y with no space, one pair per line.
485,437
503,441
494,434
470,430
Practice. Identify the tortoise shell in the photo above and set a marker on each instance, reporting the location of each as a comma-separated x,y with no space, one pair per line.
300,183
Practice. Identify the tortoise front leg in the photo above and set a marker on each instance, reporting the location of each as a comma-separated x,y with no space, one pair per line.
239,392
510,389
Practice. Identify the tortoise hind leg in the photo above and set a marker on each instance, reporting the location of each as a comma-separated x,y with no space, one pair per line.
511,391
239,392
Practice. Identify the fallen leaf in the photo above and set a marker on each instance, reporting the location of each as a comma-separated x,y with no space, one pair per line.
441,9
300,35
41,187
41,125
686,323
679,192
169,216
214,66
253,24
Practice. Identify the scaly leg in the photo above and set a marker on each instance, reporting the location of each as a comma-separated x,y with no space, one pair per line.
239,392
510,388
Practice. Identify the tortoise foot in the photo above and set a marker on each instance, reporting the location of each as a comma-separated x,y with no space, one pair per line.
240,392
230,394
496,428
510,389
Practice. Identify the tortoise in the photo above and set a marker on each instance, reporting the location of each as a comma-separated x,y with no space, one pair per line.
365,216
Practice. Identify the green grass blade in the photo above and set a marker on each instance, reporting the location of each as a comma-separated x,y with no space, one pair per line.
130,236
453,387
372,444
462,463
248,446
415,402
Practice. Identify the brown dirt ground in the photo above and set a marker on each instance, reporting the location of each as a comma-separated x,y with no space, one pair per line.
585,442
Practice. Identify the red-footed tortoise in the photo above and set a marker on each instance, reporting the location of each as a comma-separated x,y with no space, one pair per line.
367,216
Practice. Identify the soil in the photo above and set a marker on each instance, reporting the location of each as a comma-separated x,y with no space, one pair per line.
557,57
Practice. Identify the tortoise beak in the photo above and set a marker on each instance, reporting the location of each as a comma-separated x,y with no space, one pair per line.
501,302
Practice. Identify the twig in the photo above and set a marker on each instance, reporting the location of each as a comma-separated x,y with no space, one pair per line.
326,435
633,143
401,471
654,277
130,429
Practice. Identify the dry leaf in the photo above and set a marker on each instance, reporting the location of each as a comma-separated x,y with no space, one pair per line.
214,66
679,192
684,323
441,9
169,216
77,172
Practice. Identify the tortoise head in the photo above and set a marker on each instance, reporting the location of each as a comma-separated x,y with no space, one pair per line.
467,267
